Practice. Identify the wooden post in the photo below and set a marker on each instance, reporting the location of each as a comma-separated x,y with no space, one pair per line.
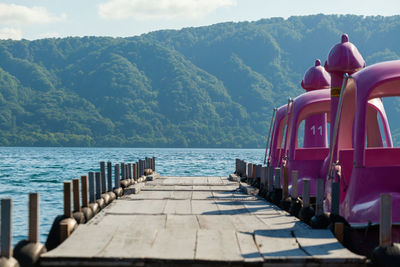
6,228
277,183
130,171
385,221
141,167
67,200
33,232
237,165
92,195
285,188
270,179
64,231
116,176
295,190
154,163
306,192
263,180
109,176
335,197
123,170
249,170
253,172
339,231
75,193
135,171
319,210
84,191
103,176
98,185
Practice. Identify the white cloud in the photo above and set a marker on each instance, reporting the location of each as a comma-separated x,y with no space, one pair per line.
11,14
160,9
10,33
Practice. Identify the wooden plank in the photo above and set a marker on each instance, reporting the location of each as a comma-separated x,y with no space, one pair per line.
125,206
178,207
217,245
182,221
215,222
278,245
248,249
322,245
204,207
176,244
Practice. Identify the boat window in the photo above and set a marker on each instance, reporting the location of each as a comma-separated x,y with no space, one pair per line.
392,108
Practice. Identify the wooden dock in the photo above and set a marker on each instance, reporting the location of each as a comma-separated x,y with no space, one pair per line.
197,221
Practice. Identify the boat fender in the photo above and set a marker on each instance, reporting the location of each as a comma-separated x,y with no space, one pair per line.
28,253
386,256
306,213
94,207
276,196
8,262
295,207
101,203
285,203
88,213
53,239
124,183
118,192
79,217
320,221
107,199
268,196
112,196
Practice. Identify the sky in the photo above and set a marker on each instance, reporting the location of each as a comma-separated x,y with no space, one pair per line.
32,20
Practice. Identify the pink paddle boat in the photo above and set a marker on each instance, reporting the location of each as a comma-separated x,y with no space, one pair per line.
313,109
368,168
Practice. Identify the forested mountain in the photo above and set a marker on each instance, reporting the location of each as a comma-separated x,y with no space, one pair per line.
211,86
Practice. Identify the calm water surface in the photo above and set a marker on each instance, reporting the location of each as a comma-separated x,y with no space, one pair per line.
43,170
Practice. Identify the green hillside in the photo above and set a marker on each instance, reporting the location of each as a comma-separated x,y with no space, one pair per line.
211,86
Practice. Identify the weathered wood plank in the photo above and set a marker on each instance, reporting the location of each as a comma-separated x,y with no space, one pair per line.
217,245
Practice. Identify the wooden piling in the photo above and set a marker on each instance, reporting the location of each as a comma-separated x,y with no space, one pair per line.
277,180
253,172
103,176
270,179
92,195
116,176
64,231
123,171
335,197
320,197
98,185
33,231
141,167
154,163
130,176
134,171
295,177
75,193
339,231
109,176
6,228
67,200
249,170
385,221
285,188
84,191
306,192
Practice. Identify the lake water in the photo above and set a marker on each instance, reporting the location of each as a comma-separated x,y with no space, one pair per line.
24,170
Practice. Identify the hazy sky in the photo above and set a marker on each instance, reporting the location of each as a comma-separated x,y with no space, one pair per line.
56,18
